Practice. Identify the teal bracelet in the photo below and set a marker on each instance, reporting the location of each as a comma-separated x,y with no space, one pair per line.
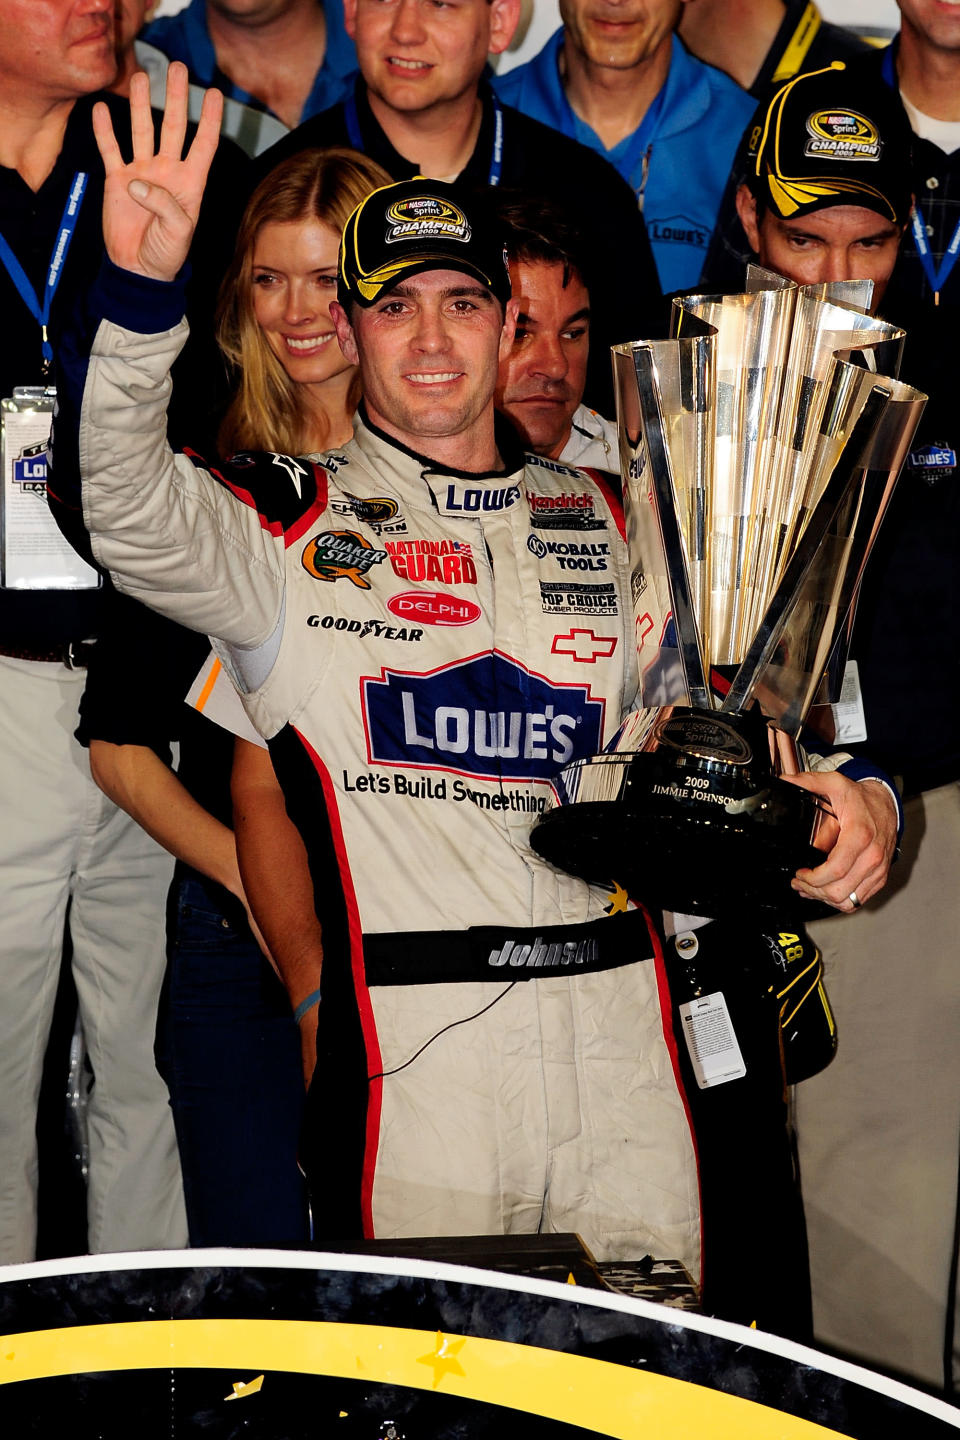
305,1005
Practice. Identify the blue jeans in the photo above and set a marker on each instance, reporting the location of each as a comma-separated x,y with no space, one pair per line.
229,1050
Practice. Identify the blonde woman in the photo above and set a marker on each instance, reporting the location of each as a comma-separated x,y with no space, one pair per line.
295,392
227,1042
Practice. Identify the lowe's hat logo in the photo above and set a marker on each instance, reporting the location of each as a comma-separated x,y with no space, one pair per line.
426,217
486,716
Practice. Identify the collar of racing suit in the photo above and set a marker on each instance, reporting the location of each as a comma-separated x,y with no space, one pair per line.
408,464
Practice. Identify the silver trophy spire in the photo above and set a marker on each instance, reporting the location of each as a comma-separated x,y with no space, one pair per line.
759,449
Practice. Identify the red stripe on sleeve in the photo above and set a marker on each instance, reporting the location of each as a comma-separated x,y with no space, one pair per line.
364,1006
612,495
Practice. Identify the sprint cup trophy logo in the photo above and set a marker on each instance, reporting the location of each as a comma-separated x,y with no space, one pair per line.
759,449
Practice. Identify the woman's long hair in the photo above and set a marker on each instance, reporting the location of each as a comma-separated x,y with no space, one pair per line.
266,412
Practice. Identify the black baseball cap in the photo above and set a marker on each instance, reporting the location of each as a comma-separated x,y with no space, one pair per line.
831,137
401,230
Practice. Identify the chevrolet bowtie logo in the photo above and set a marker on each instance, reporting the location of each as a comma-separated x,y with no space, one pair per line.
584,646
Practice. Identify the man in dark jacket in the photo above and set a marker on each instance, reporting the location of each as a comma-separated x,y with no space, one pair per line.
421,106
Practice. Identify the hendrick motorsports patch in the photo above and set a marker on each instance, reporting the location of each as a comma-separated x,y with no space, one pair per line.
426,217
842,135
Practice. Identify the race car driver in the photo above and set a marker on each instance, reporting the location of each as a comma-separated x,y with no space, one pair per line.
491,1051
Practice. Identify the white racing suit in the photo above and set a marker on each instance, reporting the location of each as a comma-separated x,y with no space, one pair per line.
423,651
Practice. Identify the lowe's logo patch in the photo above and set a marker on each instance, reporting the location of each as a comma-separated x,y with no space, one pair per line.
471,500
932,457
486,716
30,469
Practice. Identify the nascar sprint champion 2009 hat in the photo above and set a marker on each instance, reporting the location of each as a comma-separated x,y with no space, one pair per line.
416,225
830,138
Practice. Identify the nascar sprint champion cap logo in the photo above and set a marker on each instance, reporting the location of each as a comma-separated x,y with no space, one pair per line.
830,138
402,230
843,135
426,217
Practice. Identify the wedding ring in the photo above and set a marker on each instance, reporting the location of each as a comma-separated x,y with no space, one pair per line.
852,897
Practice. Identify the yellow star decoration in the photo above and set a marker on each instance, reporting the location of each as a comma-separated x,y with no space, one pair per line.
618,901
243,1388
443,1358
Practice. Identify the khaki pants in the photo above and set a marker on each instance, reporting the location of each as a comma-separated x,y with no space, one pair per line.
62,840
878,1130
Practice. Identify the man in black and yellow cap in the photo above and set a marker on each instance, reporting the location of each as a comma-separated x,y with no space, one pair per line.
406,229
827,189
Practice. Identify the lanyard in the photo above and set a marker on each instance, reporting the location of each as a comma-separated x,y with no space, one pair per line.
886,67
936,275
68,224
496,154
796,48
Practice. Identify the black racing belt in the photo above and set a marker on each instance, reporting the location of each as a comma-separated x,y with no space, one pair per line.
496,952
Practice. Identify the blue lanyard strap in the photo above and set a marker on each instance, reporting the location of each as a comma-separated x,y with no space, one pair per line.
496,154
352,119
936,275
353,123
68,224
887,68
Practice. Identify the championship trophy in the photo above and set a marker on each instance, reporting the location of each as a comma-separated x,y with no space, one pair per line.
759,449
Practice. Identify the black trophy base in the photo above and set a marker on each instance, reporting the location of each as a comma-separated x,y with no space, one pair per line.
695,821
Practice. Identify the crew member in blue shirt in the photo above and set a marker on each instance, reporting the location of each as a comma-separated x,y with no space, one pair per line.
621,82
292,58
